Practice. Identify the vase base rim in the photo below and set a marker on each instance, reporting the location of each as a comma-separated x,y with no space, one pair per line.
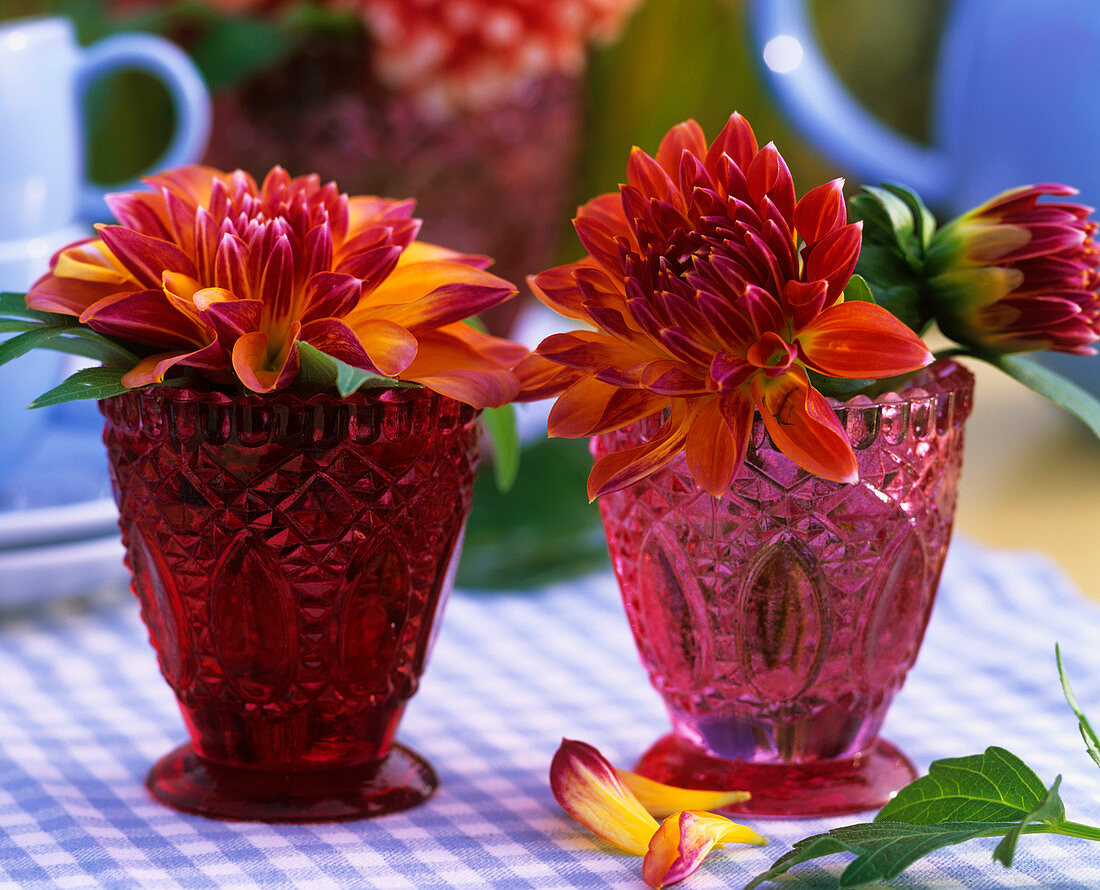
400,780
784,790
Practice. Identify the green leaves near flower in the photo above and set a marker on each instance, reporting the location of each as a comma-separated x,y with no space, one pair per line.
60,333
994,794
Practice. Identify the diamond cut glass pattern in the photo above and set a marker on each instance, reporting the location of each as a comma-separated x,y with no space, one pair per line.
779,620
291,556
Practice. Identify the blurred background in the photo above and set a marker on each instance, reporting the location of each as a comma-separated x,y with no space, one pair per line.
288,87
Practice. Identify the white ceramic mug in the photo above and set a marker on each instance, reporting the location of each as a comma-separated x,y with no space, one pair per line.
43,75
44,201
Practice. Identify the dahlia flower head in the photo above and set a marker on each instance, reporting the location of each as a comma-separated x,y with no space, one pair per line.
209,273
1018,274
711,292
468,54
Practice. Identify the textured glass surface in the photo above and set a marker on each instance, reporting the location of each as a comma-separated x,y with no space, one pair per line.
779,620
291,557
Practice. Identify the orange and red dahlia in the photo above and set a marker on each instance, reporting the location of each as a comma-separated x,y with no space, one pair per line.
471,53
210,272
712,291
1018,274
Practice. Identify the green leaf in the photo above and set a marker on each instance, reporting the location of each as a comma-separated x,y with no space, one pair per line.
500,426
1092,742
1050,384
906,303
320,371
924,222
858,291
539,532
91,344
23,343
87,383
992,787
1050,810
232,48
883,849
897,212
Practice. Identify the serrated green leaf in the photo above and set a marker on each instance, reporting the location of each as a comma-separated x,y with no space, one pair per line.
883,849
1092,742
858,291
1049,809
924,223
995,786
1050,384
87,383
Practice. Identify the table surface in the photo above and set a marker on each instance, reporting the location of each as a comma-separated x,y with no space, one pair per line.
83,713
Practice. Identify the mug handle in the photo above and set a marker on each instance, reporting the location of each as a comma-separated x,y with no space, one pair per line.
190,102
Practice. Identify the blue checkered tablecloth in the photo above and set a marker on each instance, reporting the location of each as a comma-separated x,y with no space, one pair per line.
83,713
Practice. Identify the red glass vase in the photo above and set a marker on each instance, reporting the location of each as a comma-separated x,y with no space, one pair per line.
292,556
779,620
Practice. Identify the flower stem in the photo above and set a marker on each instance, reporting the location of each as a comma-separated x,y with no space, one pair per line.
1073,829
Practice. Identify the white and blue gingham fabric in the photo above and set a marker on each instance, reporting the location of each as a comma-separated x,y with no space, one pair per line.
83,713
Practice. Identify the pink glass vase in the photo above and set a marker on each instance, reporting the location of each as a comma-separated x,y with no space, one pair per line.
779,620
292,556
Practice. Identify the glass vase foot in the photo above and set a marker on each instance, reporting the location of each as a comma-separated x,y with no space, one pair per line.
817,788
402,779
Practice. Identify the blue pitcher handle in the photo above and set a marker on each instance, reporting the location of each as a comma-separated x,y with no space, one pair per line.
190,103
826,114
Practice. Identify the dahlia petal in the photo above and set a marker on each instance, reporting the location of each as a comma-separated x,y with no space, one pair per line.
857,340
318,251
622,468
685,137
673,378
589,790
231,266
141,211
803,426
372,266
423,252
737,141
557,288
714,454
146,317
69,296
376,342
539,378
804,300
277,281
645,174
767,176
590,407
464,364
229,318
155,368
607,210
820,211
145,257
695,182
730,371
331,295
683,841
590,350
1046,239
251,365
600,243
92,261
662,800
834,257
449,302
